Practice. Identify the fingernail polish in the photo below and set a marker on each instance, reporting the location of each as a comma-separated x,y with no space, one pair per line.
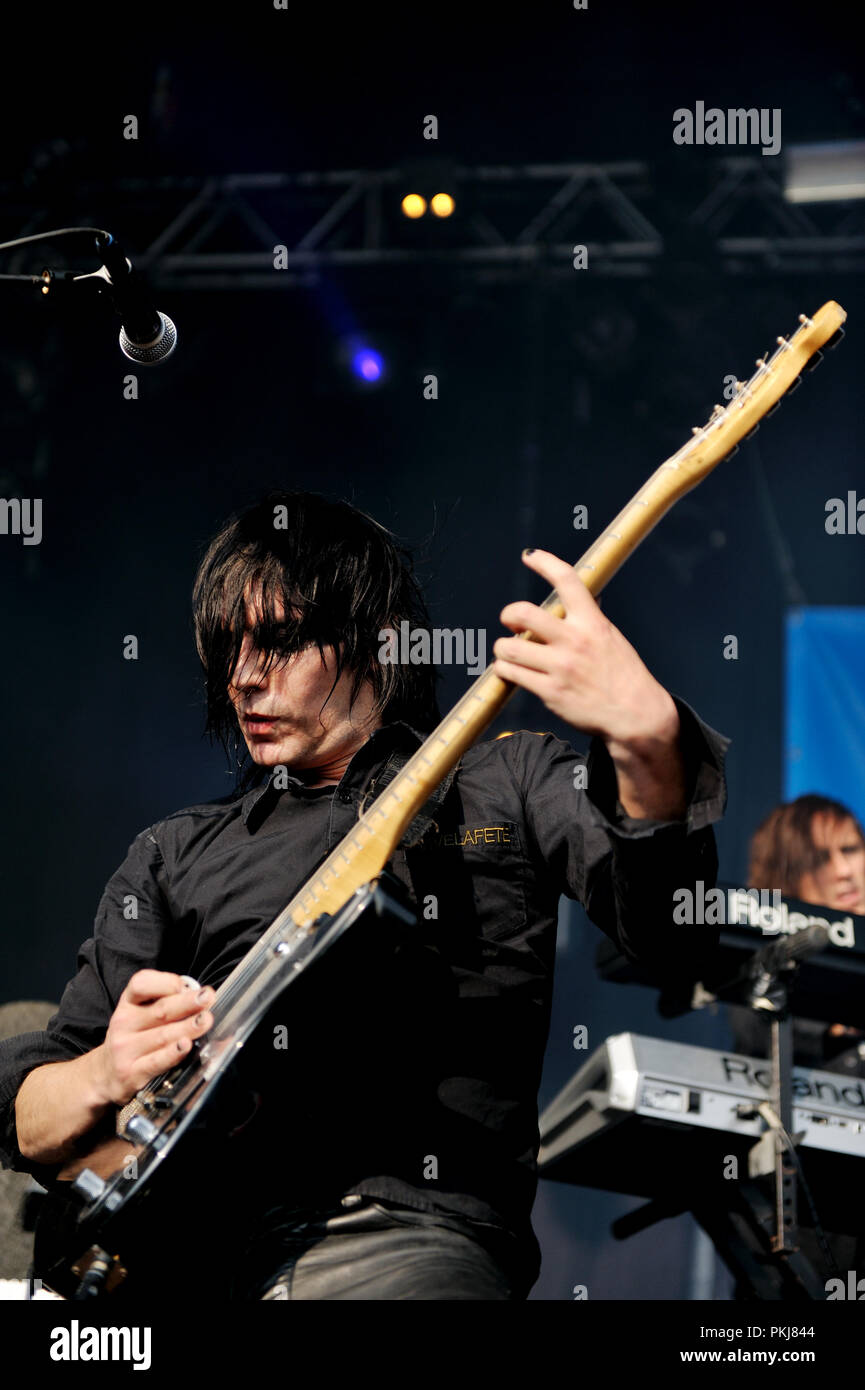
530,550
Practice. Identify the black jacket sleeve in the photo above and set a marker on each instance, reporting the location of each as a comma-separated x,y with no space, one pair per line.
130,933
625,871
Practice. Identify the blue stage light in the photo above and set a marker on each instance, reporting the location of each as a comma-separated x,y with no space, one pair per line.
367,364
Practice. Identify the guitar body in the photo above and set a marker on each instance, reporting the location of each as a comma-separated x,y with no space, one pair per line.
247,1129
171,1233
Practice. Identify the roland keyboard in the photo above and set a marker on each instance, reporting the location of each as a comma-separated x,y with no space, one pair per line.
647,1117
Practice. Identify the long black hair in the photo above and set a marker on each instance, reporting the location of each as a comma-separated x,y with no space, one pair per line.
337,576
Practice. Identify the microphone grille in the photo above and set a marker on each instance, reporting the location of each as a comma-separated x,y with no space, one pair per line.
147,354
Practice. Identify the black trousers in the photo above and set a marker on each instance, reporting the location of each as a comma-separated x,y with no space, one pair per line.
363,1248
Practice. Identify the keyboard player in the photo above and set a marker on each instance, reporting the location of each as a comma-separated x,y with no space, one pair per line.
812,849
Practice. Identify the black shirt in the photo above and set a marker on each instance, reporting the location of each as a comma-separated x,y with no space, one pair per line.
410,1077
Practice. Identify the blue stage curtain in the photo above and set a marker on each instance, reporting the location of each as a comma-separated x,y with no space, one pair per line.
824,736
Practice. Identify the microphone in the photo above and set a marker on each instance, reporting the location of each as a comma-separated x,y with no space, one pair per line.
767,964
782,955
146,335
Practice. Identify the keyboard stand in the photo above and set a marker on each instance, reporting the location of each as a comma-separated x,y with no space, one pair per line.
738,1218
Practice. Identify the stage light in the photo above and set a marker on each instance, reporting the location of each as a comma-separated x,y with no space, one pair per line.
442,204
367,364
832,172
413,205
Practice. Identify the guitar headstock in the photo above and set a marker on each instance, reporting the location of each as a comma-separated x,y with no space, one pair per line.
709,444
774,377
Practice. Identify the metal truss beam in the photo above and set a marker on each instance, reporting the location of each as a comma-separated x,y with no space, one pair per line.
221,232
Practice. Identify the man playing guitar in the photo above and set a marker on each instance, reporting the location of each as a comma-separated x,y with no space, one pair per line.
394,1157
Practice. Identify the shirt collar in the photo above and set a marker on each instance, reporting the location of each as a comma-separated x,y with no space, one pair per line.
381,743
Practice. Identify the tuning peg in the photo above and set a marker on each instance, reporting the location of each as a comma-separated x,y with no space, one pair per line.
89,1185
813,361
803,318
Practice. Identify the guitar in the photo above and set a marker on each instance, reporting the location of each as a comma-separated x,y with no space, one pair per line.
152,1126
